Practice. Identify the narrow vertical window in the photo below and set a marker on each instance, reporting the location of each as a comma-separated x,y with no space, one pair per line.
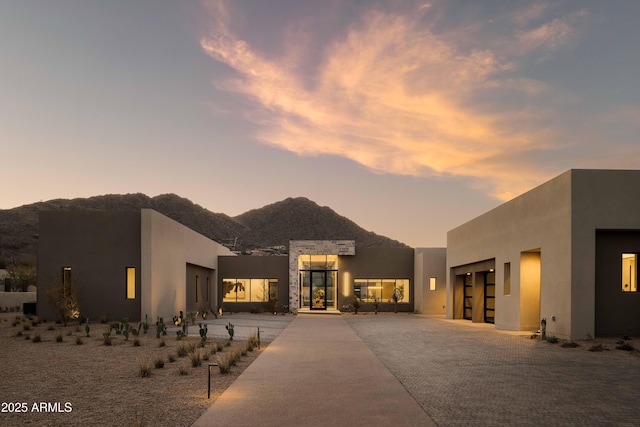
66,279
208,289
507,278
629,273
432,283
131,283
197,287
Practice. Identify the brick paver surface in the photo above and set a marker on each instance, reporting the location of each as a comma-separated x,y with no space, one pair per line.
464,374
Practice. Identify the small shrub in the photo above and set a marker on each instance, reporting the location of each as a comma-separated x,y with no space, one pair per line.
196,359
249,346
253,340
219,347
27,337
570,344
51,328
26,327
162,343
18,334
205,355
144,368
136,342
183,371
36,338
552,339
597,347
227,344
623,345
77,329
171,358
235,357
191,347
182,350
79,341
224,363
159,363
59,338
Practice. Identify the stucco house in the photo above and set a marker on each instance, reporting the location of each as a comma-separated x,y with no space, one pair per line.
132,264
565,252
127,264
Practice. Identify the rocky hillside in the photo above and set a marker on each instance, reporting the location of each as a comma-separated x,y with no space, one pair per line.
275,224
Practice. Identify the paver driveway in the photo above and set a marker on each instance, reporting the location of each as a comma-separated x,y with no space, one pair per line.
468,374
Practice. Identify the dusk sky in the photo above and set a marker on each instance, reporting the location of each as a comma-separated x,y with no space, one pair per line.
408,117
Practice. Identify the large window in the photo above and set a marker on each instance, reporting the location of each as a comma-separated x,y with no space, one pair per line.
381,289
507,278
250,290
629,273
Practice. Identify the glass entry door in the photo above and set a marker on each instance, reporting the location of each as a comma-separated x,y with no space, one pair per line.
318,290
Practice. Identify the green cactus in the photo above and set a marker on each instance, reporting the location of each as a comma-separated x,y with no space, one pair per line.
86,327
161,329
145,325
230,330
203,333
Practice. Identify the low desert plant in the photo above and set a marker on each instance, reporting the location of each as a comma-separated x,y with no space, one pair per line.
183,371
253,340
144,368
79,341
136,342
36,338
552,339
205,355
219,347
224,363
182,350
26,327
159,362
171,358
570,344
196,359
623,345
18,334
597,347
162,343
51,328
59,338
27,337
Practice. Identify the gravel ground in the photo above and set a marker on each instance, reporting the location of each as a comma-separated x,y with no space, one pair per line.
63,383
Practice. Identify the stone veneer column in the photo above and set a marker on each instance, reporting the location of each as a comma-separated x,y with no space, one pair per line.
312,247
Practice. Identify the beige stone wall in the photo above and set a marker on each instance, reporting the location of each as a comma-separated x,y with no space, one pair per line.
312,247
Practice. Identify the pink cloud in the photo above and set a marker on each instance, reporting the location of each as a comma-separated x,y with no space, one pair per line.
394,97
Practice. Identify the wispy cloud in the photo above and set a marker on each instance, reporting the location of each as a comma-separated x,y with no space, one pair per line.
399,98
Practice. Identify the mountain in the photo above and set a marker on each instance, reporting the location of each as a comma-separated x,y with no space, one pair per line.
272,225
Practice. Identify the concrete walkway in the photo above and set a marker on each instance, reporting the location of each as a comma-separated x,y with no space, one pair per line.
317,372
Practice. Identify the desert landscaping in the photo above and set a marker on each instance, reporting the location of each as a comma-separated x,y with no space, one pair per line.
57,375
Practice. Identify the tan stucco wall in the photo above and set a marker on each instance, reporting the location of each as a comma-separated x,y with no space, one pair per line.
605,200
167,247
430,262
538,219
560,219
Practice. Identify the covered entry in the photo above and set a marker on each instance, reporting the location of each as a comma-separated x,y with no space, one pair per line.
318,281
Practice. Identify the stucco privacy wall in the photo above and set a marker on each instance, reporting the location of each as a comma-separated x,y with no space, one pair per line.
602,200
428,263
98,246
167,247
312,247
537,220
